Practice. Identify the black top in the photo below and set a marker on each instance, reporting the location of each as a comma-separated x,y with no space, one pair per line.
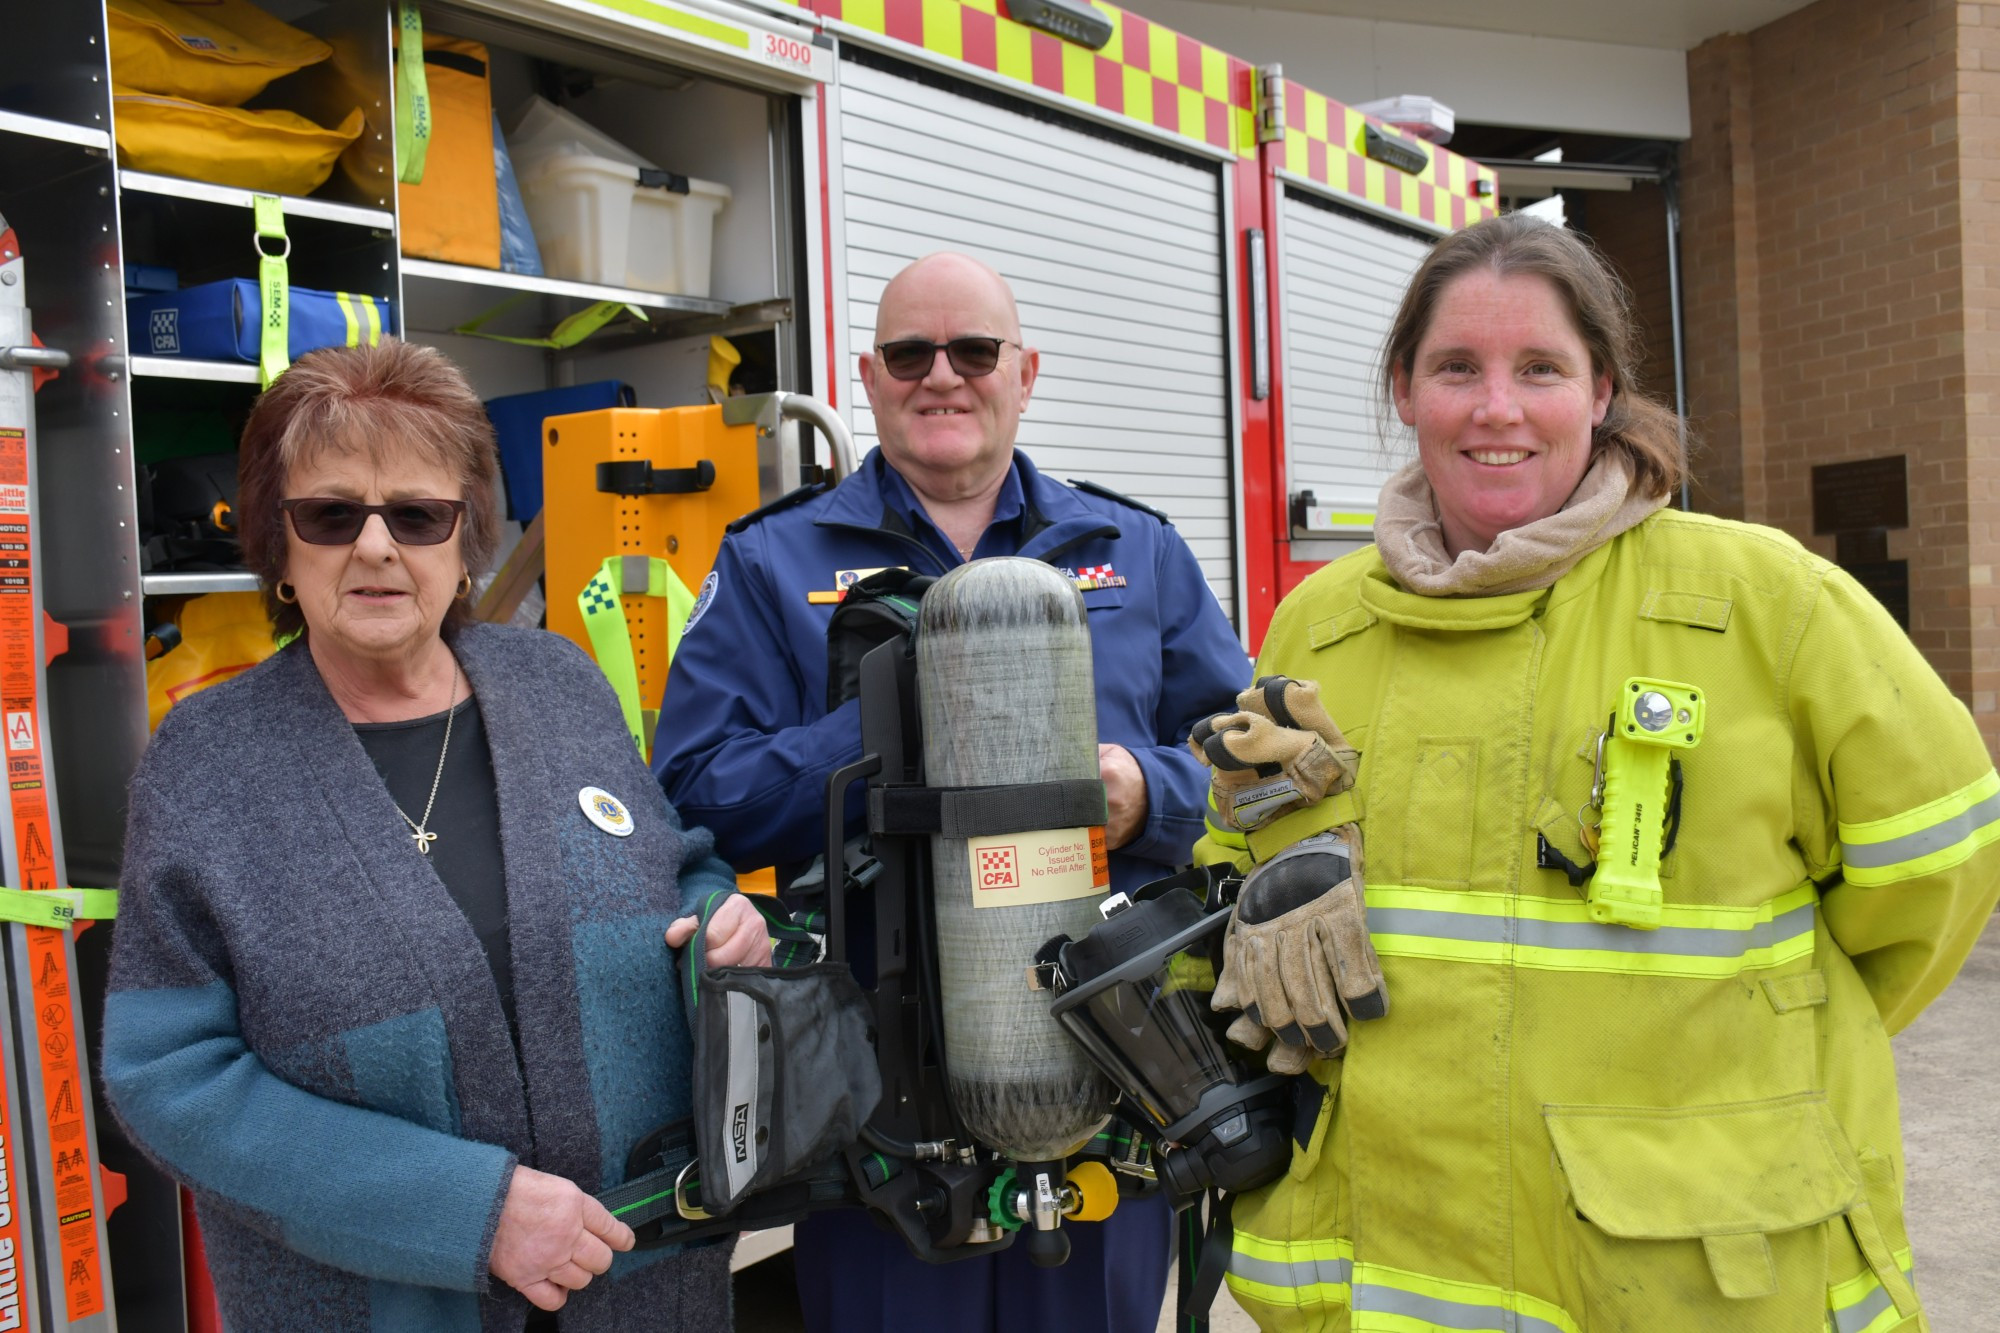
466,819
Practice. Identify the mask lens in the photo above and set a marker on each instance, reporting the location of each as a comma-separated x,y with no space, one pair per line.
910,360
973,357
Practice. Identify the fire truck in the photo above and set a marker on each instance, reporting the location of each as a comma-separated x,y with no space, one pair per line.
1206,254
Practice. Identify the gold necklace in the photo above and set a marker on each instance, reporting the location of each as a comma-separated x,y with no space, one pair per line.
422,836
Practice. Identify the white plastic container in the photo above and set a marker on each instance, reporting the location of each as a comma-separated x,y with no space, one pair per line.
595,222
540,129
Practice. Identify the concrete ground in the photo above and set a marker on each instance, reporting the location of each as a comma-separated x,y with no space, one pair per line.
1948,1072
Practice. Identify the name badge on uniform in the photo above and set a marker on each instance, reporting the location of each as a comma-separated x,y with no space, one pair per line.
606,811
843,579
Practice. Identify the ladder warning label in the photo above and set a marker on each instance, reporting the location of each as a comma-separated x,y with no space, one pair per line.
11,1258
48,950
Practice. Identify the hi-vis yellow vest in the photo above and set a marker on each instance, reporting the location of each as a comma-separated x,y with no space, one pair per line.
1562,1126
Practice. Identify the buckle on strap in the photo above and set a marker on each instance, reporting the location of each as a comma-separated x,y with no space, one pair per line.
692,1212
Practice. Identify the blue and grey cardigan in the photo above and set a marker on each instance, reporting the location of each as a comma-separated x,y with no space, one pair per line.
302,1028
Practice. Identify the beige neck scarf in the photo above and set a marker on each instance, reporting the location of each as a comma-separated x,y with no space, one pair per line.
1408,534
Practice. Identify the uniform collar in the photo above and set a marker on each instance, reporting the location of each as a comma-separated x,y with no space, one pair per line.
1048,514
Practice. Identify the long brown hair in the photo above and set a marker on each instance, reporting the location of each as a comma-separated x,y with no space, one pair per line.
390,402
1645,429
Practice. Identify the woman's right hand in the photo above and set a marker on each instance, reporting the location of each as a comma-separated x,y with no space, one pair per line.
553,1238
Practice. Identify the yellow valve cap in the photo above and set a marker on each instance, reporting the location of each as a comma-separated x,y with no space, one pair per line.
1096,1192
723,358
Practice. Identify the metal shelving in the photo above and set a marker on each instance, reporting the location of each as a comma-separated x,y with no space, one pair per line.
145,182
184,585
431,270
186,368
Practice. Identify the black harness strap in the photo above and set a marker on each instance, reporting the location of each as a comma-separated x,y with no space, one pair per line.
658,1204
1204,1258
977,812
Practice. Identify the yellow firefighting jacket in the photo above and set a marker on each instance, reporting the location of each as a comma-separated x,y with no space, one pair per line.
1563,1125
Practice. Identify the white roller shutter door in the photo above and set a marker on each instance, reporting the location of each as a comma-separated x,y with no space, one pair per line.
1343,278
1115,255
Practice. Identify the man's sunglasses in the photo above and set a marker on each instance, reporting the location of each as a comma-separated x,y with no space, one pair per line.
325,521
912,358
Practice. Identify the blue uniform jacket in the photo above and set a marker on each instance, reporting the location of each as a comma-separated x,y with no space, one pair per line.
745,742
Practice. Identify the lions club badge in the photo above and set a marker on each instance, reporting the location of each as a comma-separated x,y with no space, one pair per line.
606,811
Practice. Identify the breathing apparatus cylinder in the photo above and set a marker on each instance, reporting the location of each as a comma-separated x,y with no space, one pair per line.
1004,675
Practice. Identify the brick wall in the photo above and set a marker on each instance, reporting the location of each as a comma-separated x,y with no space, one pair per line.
1719,286
1829,299
1979,209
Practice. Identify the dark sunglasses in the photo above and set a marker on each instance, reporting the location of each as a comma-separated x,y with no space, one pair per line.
326,521
912,358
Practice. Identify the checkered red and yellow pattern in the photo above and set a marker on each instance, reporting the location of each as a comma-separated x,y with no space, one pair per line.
1323,145
1146,73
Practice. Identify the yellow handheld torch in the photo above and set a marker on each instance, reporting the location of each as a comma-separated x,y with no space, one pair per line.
1651,720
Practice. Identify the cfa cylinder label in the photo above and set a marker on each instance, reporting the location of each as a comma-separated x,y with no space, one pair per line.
1053,865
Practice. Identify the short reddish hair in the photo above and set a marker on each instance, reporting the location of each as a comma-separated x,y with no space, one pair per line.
391,401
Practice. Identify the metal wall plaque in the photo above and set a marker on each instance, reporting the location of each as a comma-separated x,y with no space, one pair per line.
1850,497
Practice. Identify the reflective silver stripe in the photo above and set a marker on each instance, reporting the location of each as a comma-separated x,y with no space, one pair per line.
1297,1273
1867,1310
1440,1313
1863,1312
1684,941
1874,855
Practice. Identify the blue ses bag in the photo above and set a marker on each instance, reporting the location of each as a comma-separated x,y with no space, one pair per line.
517,425
217,321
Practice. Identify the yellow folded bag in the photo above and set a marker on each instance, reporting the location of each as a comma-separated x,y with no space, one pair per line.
454,213
223,634
221,52
276,152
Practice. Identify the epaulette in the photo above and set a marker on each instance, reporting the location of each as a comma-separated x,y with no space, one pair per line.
785,501
1106,493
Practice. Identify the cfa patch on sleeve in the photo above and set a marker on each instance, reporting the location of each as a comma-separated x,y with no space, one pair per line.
701,602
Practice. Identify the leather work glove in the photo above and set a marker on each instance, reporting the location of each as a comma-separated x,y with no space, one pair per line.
1297,959
1279,752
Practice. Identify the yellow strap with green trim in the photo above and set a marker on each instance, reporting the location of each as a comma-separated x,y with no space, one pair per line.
57,909
611,637
40,908
413,96
92,904
569,333
274,290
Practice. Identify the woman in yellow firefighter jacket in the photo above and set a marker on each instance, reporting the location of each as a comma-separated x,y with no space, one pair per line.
1565,1122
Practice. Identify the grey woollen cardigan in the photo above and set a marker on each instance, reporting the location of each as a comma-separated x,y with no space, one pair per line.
302,1028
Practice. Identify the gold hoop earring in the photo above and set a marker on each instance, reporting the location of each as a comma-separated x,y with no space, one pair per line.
465,585
285,592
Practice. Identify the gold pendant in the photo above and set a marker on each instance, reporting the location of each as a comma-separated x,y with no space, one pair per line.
423,841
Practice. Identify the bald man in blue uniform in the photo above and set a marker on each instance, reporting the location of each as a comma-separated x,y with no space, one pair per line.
746,741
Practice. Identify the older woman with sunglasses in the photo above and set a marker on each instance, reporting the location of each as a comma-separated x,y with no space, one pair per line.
390,992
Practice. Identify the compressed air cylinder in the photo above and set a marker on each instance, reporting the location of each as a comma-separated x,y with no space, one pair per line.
1003,669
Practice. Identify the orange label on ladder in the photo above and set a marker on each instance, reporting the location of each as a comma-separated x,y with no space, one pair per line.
12,1289
64,1089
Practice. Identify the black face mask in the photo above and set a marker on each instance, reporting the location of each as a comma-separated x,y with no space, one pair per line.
1135,994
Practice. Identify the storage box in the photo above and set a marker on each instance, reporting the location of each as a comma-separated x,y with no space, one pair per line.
543,129
600,220
517,427
217,321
